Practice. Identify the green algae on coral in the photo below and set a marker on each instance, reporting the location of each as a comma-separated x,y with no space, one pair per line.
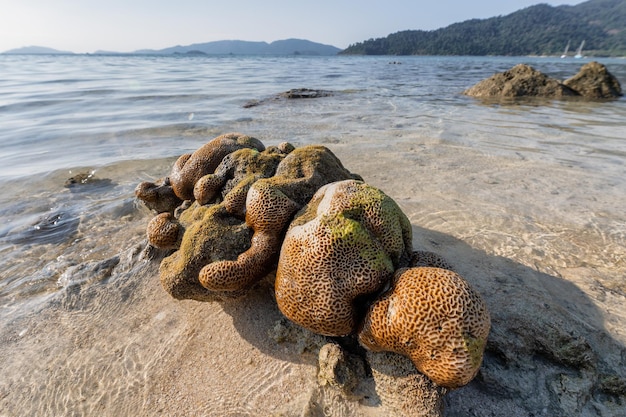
347,234
210,235
475,347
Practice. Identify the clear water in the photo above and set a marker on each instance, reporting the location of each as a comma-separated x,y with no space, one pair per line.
541,183
68,111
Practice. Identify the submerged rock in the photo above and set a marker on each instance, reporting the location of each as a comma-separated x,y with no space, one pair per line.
305,93
86,179
53,228
296,93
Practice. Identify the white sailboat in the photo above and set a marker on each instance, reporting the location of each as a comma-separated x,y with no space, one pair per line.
565,52
579,51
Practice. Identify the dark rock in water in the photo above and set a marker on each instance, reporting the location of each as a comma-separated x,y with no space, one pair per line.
520,81
305,93
55,228
88,272
595,81
86,178
296,93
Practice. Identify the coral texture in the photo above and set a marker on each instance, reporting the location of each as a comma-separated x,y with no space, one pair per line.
234,176
344,244
270,205
435,318
209,234
164,231
229,238
189,168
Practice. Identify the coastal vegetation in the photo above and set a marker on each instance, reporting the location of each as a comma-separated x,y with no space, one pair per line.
537,30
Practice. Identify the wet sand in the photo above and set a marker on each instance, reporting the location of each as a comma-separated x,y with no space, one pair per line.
527,235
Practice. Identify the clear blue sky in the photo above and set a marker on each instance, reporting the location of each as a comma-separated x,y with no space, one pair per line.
128,25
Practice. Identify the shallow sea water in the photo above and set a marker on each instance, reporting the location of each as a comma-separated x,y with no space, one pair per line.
540,183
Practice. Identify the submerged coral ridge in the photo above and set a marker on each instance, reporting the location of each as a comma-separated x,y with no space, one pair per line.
234,212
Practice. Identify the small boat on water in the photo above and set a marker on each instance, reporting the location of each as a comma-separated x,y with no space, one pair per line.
566,49
579,51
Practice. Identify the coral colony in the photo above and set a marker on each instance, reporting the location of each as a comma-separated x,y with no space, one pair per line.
235,212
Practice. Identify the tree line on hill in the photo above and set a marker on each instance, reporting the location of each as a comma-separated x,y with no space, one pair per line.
537,30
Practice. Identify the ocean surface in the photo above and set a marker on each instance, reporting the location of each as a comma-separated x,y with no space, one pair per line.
78,133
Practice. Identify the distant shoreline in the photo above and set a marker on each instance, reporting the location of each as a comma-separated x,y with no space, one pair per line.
194,54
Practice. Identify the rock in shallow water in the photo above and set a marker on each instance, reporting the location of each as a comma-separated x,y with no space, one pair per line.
296,93
593,81
520,81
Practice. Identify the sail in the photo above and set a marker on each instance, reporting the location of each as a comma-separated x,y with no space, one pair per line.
566,49
579,51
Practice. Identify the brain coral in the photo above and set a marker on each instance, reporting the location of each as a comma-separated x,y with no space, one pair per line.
229,238
227,211
270,206
189,168
344,244
235,174
435,318
164,231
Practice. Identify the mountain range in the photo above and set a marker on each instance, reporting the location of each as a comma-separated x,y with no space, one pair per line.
233,47
227,47
37,50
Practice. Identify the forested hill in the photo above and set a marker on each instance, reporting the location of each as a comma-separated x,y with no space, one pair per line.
536,30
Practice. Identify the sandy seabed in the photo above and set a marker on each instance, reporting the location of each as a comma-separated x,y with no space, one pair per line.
527,235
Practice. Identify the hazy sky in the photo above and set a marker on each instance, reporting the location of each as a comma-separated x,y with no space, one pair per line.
128,25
